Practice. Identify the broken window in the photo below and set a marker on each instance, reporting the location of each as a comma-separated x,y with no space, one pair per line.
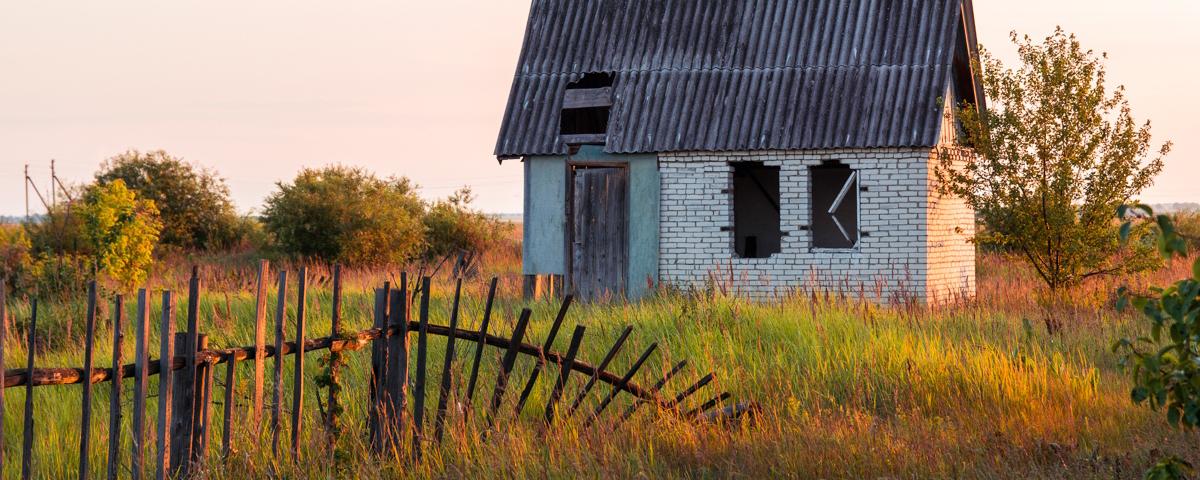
586,103
834,206
755,210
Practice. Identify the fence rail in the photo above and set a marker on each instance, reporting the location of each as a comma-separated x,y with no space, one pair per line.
187,367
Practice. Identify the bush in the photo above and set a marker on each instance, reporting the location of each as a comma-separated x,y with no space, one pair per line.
193,202
346,215
16,258
122,231
453,228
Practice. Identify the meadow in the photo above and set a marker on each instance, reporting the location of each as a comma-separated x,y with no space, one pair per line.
1009,385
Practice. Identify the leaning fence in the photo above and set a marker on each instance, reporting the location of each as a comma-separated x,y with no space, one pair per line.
186,366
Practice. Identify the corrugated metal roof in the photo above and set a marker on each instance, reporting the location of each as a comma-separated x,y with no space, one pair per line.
738,74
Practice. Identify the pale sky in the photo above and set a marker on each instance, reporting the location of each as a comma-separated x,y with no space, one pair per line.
257,90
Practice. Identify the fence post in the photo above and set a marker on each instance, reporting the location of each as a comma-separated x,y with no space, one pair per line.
335,332
298,370
141,332
277,404
447,371
201,412
419,383
166,358
377,369
564,373
480,344
85,420
537,367
114,414
396,374
3,337
27,447
506,365
182,403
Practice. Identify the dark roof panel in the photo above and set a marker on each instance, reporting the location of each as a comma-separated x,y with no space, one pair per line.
739,75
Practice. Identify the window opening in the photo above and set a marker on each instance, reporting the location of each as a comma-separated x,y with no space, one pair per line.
756,231
834,206
586,103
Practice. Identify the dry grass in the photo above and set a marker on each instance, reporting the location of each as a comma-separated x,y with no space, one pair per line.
848,389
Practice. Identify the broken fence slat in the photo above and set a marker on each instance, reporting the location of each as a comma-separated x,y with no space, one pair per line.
674,404
506,366
85,416
564,372
377,366
480,343
654,389
439,422
608,358
537,367
335,331
396,374
624,381
706,406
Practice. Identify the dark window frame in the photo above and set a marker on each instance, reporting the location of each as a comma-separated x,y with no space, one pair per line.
761,190
835,187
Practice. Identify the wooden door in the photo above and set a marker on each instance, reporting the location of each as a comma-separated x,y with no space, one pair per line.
599,213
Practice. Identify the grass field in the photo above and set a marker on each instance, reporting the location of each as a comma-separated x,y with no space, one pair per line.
847,389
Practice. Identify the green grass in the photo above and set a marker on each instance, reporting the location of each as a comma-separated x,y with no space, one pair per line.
847,391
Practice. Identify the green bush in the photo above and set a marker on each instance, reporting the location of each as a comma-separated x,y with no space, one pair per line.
346,215
453,228
122,231
193,202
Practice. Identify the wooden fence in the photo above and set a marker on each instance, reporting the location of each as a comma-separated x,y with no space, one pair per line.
186,366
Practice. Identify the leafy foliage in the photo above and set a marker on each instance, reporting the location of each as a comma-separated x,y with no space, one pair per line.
122,230
193,202
1057,154
1165,365
346,215
453,227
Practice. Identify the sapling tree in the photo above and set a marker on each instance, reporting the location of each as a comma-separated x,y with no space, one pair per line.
1057,153
1165,363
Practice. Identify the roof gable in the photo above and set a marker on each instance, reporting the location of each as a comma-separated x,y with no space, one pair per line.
739,75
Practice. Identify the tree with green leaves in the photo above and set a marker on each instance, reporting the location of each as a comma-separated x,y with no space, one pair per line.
122,230
1056,153
1165,363
193,202
346,215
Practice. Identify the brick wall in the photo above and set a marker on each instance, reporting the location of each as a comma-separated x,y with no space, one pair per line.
892,262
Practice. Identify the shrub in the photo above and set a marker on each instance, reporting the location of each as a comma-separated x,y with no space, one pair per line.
16,258
193,202
346,215
122,231
452,227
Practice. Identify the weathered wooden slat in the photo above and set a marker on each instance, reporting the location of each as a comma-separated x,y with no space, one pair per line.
141,333
506,366
3,338
260,342
439,422
114,414
480,344
608,357
277,403
537,367
182,403
396,373
377,368
654,389
230,390
587,97
674,404
564,372
166,353
624,381
708,405
335,331
419,382
27,437
298,378
85,416
203,408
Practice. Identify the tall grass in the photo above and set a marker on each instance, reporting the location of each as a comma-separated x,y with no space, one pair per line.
847,389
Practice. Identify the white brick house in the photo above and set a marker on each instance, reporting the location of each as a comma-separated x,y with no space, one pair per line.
761,151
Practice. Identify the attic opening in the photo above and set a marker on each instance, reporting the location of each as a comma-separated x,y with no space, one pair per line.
756,231
834,205
586,103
